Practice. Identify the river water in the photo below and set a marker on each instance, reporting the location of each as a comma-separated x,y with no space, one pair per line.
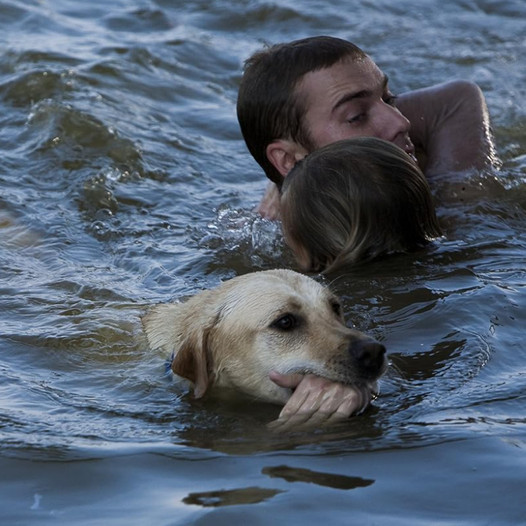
124,182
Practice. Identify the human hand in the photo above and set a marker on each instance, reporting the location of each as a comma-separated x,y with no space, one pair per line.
317,401
269,205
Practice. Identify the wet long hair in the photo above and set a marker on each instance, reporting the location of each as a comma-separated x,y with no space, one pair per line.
267,106
354,200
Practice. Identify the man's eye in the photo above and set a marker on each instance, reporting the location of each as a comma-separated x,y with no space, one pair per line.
356,118
390,99
287,322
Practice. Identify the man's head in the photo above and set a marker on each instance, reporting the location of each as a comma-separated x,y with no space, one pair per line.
299,96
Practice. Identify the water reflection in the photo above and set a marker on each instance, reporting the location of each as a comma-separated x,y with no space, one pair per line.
231,497
331,480
125,182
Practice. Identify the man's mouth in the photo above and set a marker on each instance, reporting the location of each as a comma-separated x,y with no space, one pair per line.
410,150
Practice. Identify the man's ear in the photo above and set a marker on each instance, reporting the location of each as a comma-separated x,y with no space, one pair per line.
283,154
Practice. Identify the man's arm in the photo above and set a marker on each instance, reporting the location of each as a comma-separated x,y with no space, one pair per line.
450,124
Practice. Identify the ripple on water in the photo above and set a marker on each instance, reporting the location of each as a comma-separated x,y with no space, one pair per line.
125,182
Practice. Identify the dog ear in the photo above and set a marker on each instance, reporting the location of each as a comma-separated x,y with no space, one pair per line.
167,327
191,362
162,327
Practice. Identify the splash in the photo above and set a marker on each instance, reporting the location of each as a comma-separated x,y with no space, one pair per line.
236,230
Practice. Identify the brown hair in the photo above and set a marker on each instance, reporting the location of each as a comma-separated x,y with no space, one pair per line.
267,108
354,200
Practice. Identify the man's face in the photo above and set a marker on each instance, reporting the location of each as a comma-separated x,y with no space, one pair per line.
351,99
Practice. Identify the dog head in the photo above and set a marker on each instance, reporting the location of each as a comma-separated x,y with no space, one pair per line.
235,334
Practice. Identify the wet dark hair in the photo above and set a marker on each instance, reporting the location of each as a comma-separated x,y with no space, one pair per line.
354,200
267,108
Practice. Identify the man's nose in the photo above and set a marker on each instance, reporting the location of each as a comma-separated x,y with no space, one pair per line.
392,123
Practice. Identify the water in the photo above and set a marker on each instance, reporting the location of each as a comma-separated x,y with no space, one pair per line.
125,182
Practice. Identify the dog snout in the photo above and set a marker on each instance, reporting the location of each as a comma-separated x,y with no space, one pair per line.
369,355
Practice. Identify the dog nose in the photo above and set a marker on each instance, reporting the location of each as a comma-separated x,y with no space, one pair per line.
368,354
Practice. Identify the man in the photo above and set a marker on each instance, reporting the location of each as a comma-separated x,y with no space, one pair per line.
299,96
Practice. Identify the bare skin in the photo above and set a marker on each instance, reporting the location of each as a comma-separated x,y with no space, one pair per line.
446,126
317,401
450,126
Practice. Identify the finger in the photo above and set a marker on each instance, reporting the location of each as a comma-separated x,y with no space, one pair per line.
320,409
343,401
308,396
313,394
352,406
296,403
294,422
289,381
303,421
301,383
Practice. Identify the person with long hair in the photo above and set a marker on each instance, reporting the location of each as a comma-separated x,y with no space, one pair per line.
353,201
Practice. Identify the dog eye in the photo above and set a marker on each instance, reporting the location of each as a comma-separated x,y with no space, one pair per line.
285,323
336,308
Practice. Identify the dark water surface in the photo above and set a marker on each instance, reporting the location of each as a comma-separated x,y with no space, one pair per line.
124,182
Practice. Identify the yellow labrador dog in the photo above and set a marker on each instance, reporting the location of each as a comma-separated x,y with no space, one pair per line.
234,335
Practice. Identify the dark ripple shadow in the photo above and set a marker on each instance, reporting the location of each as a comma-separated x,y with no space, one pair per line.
31,87
231,497
330,480
138,20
